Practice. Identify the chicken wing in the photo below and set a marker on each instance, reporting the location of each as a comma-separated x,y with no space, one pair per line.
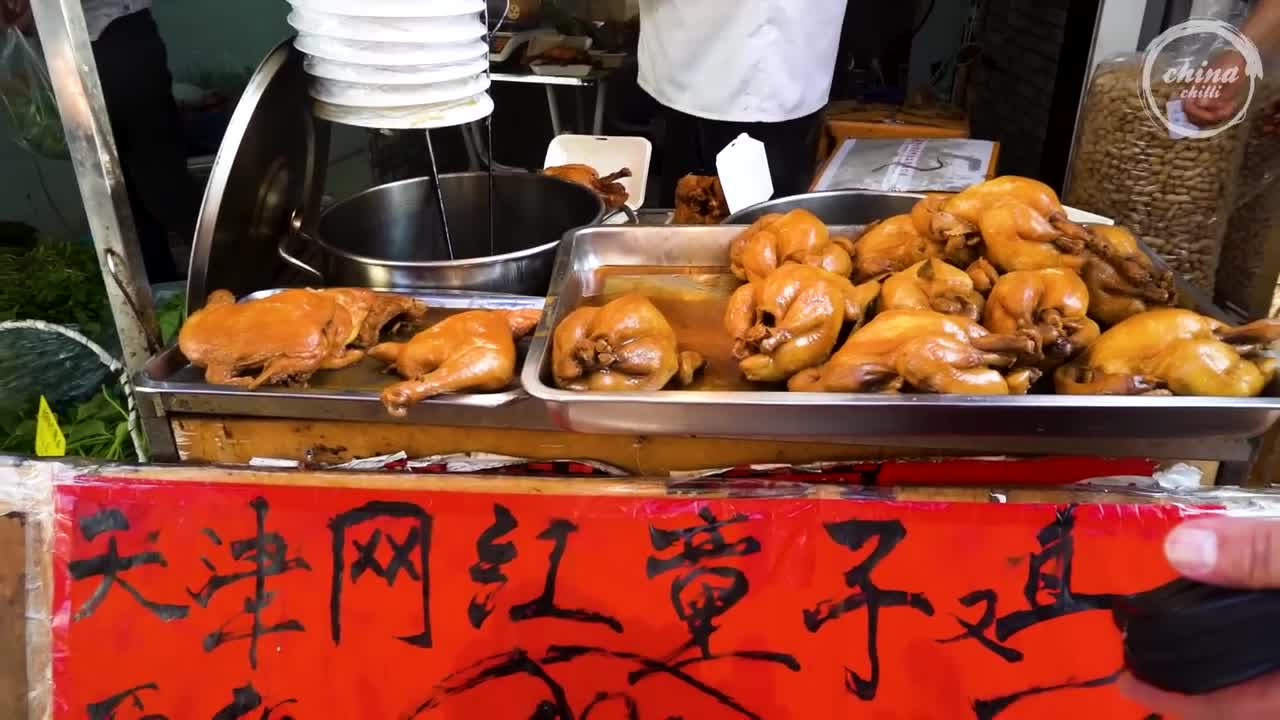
1049,306
1173,351
889,246
288,336
792,319
470,351
607,187
798,237
1019,237
627,345
925,351
932,285
1122,280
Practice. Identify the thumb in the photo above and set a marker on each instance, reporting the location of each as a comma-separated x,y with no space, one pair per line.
1232,552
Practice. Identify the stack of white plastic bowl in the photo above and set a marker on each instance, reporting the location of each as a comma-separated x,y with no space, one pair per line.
396,64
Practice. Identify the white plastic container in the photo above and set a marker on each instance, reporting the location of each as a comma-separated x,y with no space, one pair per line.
421,30
318,67
340,92
393,8
606,154
383,54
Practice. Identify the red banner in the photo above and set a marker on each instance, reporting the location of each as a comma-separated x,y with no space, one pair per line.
181,600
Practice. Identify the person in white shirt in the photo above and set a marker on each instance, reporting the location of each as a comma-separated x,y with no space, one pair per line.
133,67
724,67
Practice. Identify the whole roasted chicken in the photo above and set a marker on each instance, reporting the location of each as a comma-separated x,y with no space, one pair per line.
889,246
1049,306
1172,351
287,336
626,345
956,220
923,351
1019,237
1122,280
797,237
607,187
700,201
792,319
959,249
473,350
932,285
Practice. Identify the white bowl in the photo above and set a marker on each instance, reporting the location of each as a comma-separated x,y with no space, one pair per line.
418,117
393,8
340,92
363,52
393,74
419,30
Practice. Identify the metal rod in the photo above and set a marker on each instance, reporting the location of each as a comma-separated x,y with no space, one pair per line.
488,128
435,180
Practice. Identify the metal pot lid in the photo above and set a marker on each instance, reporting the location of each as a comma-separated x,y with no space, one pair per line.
271,164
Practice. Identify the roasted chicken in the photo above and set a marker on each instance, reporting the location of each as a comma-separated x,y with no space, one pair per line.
984,275
959,249
791,320
1049,306
1122,280
932,285
798,237
607,187
957,220
470,351
700,201
625,345
1018,237
287,336
923,351
1172,351
888,247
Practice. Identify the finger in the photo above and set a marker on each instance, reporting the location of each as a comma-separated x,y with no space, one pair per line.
1256,699
1229,551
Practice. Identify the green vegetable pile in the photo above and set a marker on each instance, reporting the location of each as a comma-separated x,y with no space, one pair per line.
97,428
33,115
54,281
169,316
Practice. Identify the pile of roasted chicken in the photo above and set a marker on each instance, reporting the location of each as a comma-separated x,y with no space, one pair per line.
982,292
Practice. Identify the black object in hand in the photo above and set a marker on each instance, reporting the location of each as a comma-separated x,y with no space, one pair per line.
1191,638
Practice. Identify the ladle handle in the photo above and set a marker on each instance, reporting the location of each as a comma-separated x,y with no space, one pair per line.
632,218
295,230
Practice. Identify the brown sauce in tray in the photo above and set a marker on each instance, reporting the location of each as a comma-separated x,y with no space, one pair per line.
694,301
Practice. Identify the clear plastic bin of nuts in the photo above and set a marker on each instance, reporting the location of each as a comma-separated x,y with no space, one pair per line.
1173,192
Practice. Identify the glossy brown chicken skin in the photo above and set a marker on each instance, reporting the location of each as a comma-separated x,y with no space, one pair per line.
1122,280
371,312
289,335
958,219
607,187
924,351
932,285
1018,237
700,201
887,247
959,249
1049,306
627,345
792,319
1173,351
798,237
471,351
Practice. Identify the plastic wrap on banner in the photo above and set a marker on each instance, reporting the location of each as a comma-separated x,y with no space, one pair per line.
472,463
219,593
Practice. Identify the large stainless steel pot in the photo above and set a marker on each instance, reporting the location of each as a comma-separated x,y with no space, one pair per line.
390,236
835,207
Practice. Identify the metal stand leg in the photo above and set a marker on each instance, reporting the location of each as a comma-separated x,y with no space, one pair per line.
554,110
435,180
602,94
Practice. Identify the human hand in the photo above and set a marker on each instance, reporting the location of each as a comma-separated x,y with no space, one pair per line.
1230,552
1226,99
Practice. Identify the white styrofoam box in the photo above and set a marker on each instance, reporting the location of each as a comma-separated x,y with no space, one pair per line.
423,30
361,52
393,8
607,154
573,71
340,92
413,117
319,67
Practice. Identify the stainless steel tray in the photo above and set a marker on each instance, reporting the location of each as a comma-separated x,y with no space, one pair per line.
775,414
351,393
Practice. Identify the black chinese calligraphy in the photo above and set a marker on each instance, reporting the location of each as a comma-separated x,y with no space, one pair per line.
703,593
244,700
514,663
409,556
108,709
491,555
544,606
267,554
111,566
978,631
991,709
854,535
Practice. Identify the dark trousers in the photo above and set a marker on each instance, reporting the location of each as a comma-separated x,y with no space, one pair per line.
690,145
134,69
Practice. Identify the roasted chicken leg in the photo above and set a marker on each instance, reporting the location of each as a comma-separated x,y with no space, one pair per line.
1122,280
1173,351
798,237
1019,237
924,351
627,345
792,319
474,350
932,285
1049,306
607,187
372,311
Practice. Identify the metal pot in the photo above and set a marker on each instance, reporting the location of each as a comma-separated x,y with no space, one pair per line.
391,236
835,207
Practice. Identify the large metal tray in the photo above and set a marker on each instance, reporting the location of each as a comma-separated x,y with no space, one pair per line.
777,414
351,393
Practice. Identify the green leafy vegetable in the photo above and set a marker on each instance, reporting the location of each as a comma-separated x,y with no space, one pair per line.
169,316
97,428
54,281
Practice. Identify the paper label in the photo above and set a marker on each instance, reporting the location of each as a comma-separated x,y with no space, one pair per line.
50,442
743,166
1180,126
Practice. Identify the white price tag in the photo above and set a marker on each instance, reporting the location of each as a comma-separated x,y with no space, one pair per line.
743,166
1178,121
